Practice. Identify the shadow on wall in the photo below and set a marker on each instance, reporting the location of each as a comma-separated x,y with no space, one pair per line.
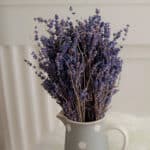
1,137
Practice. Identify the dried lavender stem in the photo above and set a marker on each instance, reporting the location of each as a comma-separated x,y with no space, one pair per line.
83,105
78,102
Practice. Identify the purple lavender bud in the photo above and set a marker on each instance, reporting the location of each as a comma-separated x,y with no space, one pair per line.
97,11
56,17
70,8
125,30
40,19
83,94
36,38
102,24
68,18
34,55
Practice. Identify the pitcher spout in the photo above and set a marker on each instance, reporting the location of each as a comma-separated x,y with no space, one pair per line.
62,117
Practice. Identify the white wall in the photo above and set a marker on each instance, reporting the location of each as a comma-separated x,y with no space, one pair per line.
26,111
17,17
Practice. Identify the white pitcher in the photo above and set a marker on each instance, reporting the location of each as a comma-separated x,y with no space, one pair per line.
89,135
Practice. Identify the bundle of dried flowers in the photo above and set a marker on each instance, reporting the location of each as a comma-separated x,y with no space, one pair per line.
78,64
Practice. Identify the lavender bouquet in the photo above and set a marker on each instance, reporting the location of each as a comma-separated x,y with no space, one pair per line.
78,64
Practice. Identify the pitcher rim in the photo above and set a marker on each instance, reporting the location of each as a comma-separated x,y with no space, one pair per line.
61,113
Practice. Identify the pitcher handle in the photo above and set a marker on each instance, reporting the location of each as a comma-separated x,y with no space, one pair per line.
122,131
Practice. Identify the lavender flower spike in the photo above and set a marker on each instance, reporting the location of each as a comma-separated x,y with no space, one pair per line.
78,64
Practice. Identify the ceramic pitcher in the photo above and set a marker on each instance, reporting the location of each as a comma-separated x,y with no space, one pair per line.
89,135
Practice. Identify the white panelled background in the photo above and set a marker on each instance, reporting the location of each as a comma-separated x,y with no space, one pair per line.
27,113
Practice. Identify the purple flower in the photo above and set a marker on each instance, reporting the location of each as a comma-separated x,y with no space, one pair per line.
56,17
70,8
78,64
97,11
